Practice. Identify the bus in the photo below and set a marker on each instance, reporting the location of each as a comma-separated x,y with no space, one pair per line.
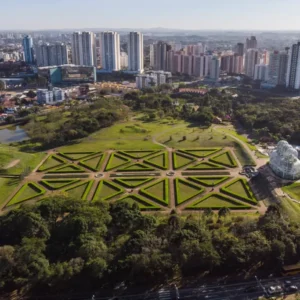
290,270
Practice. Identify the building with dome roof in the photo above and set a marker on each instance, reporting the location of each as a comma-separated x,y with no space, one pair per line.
284,161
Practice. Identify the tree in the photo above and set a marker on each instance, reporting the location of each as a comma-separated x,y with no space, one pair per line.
2,86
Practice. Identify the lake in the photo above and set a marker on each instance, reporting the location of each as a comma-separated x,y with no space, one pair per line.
13,134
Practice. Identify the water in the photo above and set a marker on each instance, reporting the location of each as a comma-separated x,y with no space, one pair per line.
13,134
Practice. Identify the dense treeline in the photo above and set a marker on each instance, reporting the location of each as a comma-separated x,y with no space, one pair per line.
269,119
76,121
62,244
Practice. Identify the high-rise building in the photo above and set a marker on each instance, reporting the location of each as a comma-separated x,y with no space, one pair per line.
238,64
261,72
200,68
227,63
136,52
84,48
160,55
265,57
28,49
293,70
177,63
152,55
274,62
283,65
215,68
124,60
251,43
239,49
110,51
51,55
187,64
251,59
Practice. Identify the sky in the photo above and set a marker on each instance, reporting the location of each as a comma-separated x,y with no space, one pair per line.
173,14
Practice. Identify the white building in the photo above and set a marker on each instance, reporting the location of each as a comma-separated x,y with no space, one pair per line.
124,60
251,43
110,51
50,97
261,72
215,68
153,78
293,69
251,59
84,48
135,52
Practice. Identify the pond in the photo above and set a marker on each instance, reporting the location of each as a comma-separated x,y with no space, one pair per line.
13,134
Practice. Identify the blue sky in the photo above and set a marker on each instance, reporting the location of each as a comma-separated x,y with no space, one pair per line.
181,14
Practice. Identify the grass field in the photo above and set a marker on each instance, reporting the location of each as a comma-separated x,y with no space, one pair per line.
80,191
185,190
106,190
225,159
7,186
293,190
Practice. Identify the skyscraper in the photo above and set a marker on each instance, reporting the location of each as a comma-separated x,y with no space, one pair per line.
51,55
136,52
261,72
110,51
293,70
251,43
283,65
251,59
84,48
28,49
239,49
274,62
215,68
160,55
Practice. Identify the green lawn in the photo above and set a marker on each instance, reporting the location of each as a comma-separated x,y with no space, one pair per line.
93,163
7,186
80,191
180,160
51,162
185,190
132,182
158,191
106,190
206,166
116,160
201,152
9,154
58,184
225,159
209,180
67,169
293,190
160,160
141,202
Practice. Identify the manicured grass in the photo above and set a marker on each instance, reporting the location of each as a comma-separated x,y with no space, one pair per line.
137,154
201,152
217,201
51,162
181,160
240,189
115,161
57,184
225,159
158,191
185,190
160,161
143,204
209,180
67,169
93,163
27,192
76,155
136,167
81,190
132,182
206,166
9,154
106,190
7,186
293,190
242,155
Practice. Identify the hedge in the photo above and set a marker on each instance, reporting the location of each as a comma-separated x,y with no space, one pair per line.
234,163
212,151
83,164
134,175
137,169
205,173
164,201
108,166
127,153
118,189
175,164
141,201
236,205
165,159
75,168
217,182
251,200
58,159
207,166
87,189
85,155
179,201
127,185
62,176
41,191
46,183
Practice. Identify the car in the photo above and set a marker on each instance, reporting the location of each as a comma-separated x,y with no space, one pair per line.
274,289
291,288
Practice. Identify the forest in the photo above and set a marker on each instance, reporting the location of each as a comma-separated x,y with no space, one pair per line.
64,244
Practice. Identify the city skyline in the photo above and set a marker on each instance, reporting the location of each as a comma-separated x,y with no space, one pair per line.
198,15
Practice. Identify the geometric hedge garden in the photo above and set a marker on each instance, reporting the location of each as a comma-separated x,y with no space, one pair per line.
202,179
